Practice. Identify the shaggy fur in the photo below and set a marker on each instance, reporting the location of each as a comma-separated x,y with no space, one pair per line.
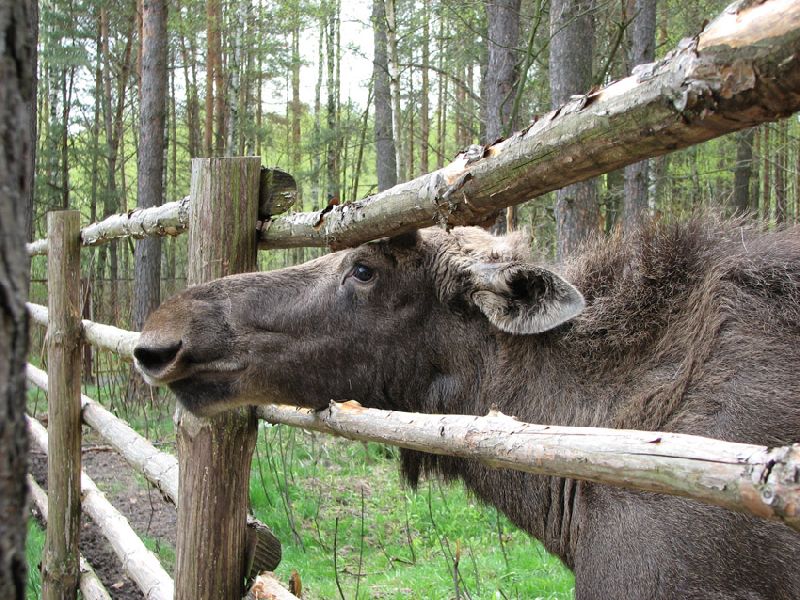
691,328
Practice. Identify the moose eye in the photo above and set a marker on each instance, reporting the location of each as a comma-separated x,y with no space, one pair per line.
363,273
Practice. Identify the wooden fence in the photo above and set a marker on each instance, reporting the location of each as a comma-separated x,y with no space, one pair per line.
710,85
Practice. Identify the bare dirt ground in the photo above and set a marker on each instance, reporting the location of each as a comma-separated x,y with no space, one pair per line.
147,512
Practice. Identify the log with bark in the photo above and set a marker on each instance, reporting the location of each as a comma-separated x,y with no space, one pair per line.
742,477
267,587
741,71
277,194
105,337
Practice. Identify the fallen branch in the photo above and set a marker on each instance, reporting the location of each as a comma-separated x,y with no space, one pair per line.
742,477
160,468
741,71
90,585
138,562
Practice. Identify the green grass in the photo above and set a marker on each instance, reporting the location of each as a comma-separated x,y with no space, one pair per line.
405,542
163,550
34,546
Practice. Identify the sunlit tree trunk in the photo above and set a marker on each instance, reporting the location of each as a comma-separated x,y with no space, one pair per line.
385,154
743,171
394,76
333,105
424,116
781,162
766,197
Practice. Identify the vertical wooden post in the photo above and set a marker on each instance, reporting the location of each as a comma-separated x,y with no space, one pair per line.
60,563
214,454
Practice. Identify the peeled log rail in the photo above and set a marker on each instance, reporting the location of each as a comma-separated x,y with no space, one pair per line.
137,561
742,70
105,337
159,468
89,583
741,477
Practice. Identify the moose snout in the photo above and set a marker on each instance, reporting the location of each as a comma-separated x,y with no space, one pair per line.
156,358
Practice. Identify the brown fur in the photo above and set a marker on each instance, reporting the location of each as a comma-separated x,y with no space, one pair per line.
691,328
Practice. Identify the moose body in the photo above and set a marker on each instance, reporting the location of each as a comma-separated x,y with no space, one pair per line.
690,328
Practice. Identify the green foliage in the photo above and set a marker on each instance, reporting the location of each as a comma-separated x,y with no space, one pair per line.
34,547
340,509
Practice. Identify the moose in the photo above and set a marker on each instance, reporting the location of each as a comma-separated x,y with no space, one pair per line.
691,328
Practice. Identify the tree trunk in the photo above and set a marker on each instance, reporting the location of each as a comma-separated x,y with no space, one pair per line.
743,171
502,72
394,76
332,161
571,49
501,77
643,50
151,155
781,161
18,28
212,64
424,111
766,197
385,154
147,265
316,135
297,107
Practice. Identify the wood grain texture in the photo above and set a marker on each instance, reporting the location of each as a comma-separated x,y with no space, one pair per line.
60,560
215,454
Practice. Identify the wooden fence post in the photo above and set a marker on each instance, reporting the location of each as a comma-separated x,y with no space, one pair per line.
214,454
60,566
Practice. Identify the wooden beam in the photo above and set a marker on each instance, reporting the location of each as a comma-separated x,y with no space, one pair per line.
215,454
60,562
743,477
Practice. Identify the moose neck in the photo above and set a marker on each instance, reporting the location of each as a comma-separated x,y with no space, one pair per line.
535,379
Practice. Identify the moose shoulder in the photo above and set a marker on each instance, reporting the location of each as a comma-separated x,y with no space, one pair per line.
691,328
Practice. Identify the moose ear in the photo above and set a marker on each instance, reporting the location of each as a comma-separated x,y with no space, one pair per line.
521,298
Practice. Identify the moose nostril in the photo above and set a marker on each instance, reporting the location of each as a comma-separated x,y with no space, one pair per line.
155,359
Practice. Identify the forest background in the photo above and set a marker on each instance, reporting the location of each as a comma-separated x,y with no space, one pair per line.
351,98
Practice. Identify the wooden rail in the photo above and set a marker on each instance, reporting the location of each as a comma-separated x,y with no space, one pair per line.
743,477
741,71
89,583
138,562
